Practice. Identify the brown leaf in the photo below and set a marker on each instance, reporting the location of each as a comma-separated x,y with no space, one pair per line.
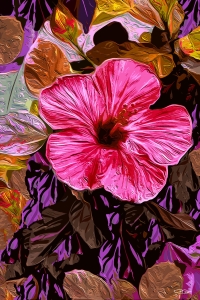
77,194
8,164
3,178
44,64
4,293
133,212
80,217
50,260
183,178
193,67
160,282
9,288
2,273
55,224
10,285
191,64
11,39
6,229
14,271
145,53
171,13
80,284
178,51
177,221
144,11
195,160
175,18
122,289
17,182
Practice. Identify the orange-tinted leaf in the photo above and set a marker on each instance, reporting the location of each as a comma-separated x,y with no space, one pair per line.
17,182
80,284
161,281
10,285
5,294
145,53
162,8
2,273
163,64
113,6
145,37
171,13
12,37
12,203
7,229
44,64
64,25
190,44
3,178
175,18
8,164
141,10
195,160
122,289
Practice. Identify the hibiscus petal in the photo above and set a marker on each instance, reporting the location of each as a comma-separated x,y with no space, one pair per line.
81,99
165,134
74,156
70,101
87,165
124,81
133,178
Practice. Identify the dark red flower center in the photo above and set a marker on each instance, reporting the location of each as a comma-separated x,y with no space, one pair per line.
113,131
107,136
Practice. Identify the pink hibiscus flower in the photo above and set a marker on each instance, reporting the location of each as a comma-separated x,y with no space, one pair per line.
109,137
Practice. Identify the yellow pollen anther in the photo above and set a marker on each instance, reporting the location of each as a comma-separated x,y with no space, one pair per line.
125,114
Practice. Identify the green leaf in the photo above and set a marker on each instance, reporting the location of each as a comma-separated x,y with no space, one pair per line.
14,95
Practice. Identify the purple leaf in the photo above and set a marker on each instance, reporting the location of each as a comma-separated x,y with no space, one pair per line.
192,16
187,264
82,10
